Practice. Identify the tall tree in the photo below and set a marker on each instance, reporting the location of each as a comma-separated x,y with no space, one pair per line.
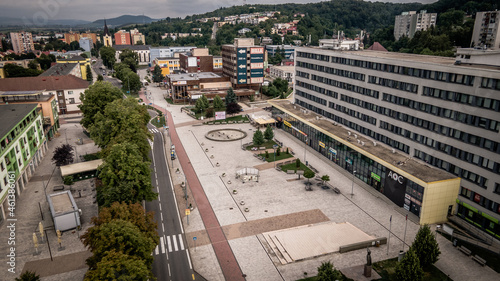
120,236
218,103
131,82
95,99
326,272
108,56
157,76
308,174
119,266
258,137
198,106
13,70
268,133
130,58
204,102
426,247
409,268
28,276
63,155
233,108
89,74
230,97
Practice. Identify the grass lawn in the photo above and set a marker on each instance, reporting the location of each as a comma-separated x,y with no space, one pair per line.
158,123
169,100
91,156
267,144
283,155
387,270
293,166
236,118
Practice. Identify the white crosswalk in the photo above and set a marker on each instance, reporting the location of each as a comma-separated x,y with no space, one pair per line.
153,130
171,243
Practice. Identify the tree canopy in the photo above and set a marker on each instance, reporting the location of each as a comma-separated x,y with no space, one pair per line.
409,269
230,97
63,155
95,99
130,58
108,56
426,247
157,76
119,266
258,137
268,133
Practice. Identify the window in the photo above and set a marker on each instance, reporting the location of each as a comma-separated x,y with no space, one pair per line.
70,92
71,100
60,94
497,188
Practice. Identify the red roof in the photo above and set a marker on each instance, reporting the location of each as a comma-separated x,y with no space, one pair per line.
49,83
377,47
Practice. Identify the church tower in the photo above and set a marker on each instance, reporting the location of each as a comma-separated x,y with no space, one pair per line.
107,39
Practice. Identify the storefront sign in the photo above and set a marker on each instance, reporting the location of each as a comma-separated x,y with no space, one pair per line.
257,50
348,160
375,177
395,187
287,124
322,144
477,198
332,151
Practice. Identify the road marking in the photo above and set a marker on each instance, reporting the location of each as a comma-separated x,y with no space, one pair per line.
157,249
163,227
169,269
181,242
159,199
175,243
192,275
162,245
189,260
159,206
161,215
169,244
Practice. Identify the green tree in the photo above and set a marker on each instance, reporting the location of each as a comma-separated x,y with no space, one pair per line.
204,102
281,85
267,154
326,272
325,178
157,76
108,55
122,121
120,70
258,137
33,65
426,247
268,133
198,106
119,266
297,162
120,236
210,112
308,174
131,82
278,151
230,97
125,176
218,103
95,99
12,70
63,155
130,58
89,74
272,91
28,276
233,108
409,268
100,78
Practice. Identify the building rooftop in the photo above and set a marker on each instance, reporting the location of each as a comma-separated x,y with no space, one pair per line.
11,115
78,58
193,76
132,47
378,152
287,68
43,83
59,69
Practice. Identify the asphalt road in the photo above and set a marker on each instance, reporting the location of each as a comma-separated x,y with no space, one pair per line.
171,257
97,69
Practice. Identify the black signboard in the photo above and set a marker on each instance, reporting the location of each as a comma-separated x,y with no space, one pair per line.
395,187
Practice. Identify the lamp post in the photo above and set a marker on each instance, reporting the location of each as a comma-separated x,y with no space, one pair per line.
305,143
352,185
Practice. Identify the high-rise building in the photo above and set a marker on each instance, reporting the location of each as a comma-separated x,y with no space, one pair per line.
136,36
487,30
122,37
106,36
71,37
432,121
86,43
196,60
90,35
167,52
408,23
243,63
22,42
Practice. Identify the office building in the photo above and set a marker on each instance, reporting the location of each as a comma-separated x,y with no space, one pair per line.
22,147
286,51
408,23
284,72
22,42
86,43
196,60
137,37
167,52
439,118
71,37
486,31
243,63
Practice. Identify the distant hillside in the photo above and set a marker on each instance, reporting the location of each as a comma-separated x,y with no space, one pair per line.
7,21
120,21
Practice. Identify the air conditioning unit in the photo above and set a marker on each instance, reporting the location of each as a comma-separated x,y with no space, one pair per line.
317,117
359,141
355,136
335,124
393,150
294,107
374,143
363,143
349,133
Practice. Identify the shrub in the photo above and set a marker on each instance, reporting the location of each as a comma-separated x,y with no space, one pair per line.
68,180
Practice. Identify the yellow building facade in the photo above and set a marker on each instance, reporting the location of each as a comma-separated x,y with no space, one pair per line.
84,62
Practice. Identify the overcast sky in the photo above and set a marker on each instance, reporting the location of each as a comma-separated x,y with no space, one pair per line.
91,10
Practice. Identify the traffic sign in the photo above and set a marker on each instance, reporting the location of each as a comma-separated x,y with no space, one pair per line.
194,238
188,212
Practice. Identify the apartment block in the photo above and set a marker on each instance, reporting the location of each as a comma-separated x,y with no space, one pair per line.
429,120
122,37
22,42
408,23
486,32
243,63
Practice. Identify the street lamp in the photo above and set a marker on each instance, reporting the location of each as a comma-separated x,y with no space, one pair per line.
352,186
305,143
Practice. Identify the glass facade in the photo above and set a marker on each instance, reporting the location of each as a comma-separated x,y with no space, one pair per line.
404,192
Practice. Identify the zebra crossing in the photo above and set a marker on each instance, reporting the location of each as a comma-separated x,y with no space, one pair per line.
154,130
170,243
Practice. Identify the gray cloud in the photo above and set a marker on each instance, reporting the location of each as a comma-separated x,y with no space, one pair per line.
97,9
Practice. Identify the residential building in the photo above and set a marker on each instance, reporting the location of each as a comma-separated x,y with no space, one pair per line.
486,31
71,37
61,69
243,31
67,89
23,63
136,36
168,65
47,103
196,60
167,52
475,56
106,36
408,23
86,43
22,147
341,44
90,35
217,62
22,42
142,51
243,63
181,86
287,50
440,119
283,72
84,62
122,37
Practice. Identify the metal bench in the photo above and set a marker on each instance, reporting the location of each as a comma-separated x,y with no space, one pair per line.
58,187
465,250
479,260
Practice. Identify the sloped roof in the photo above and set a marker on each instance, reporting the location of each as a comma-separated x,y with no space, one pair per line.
377,47
48,83
59,69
